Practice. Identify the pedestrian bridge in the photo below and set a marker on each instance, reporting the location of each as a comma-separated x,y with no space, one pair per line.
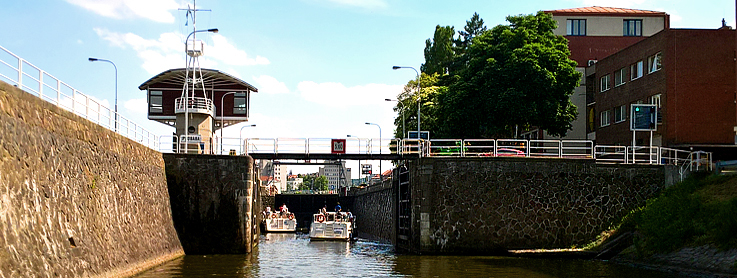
354,148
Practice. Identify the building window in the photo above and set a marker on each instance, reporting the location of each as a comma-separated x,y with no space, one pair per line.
620,114
239,103
604,119
632,27
576,27
653,63
655,99
604,83
619,77
636,70
154,102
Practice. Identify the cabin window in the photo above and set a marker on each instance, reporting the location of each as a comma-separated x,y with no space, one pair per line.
154,102
239,103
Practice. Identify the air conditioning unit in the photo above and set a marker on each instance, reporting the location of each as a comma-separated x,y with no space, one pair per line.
591,62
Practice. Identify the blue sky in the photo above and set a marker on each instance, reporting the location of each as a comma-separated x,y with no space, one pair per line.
322,67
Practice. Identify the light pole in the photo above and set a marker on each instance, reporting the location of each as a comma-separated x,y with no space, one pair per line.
419,89
116,87
401,111
222,121
360,169
380,172
240,140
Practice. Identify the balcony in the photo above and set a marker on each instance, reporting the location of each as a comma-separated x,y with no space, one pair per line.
195,105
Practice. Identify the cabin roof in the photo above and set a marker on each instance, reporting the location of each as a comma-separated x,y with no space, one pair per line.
211,77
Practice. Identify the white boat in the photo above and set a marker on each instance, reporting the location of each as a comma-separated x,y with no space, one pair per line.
280,222
331,226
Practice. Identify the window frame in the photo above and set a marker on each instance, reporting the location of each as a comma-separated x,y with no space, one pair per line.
571,30
636,70
650,62
604,82
602,116
619,77
628,26
622,114
238,109
152,106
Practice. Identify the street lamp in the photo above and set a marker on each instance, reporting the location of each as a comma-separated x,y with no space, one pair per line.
419,89
222,122
380,172
240,140
116,87
401,111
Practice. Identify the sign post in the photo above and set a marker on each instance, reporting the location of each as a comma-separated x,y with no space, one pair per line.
643,117
337,146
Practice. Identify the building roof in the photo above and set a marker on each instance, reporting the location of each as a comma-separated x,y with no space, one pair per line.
211,78
605,11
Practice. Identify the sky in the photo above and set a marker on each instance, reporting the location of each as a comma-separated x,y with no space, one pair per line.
322,67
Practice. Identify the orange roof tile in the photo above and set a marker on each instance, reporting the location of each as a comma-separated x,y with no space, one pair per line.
596,10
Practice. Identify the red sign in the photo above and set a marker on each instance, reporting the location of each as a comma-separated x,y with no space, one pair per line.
337,146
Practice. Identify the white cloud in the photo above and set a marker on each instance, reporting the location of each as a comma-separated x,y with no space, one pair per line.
369,4
167,51
136,106
155,10
338,95
270,85
226,52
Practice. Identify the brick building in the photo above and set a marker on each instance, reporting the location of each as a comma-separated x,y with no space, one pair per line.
594,33
688,73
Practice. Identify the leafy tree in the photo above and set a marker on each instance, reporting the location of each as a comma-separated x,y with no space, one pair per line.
407,106
439,51
515,75
307,181
321,183
474,27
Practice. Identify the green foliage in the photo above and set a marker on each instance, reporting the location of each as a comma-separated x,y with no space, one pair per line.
321,183
439,51
407,104
680,216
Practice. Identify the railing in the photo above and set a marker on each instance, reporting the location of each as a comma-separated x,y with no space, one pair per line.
34,80
196,104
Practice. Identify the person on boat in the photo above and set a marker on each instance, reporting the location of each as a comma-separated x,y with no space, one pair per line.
267,212
324,210
349,215
284,208
338,208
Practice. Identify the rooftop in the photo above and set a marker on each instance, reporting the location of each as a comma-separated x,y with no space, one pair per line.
596,10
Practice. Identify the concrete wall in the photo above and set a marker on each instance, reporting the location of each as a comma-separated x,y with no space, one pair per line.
75,198
213,199
475,205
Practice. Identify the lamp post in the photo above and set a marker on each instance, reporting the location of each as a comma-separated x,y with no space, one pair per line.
222,121
401,111
116,87
360,169
240,140
419,89
380,172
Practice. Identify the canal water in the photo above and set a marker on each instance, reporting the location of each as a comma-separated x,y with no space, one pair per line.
290,255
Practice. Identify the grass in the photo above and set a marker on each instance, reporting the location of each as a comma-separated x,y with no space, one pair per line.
701,210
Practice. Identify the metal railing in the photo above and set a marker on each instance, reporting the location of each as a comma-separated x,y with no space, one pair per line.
196,104
36,81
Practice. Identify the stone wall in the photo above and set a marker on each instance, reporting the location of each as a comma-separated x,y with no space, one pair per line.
375,210
474,205
75,198
213,199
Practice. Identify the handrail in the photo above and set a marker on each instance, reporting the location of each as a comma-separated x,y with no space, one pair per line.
36,81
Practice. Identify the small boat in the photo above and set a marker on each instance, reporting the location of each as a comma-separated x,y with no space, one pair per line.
331,226
276,222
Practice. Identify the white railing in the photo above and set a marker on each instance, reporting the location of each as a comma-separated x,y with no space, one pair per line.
34,80
196,104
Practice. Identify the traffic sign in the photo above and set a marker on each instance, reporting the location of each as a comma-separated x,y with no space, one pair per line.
337,146
643,117
366,169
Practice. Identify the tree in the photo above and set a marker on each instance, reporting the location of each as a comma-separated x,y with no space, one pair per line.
514,75
474,27
439,51
307,181
321,183
407,104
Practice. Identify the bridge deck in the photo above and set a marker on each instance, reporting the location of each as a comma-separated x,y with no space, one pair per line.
328,156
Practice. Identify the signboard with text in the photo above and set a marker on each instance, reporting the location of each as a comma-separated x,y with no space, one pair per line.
366,169
337,146
643,117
